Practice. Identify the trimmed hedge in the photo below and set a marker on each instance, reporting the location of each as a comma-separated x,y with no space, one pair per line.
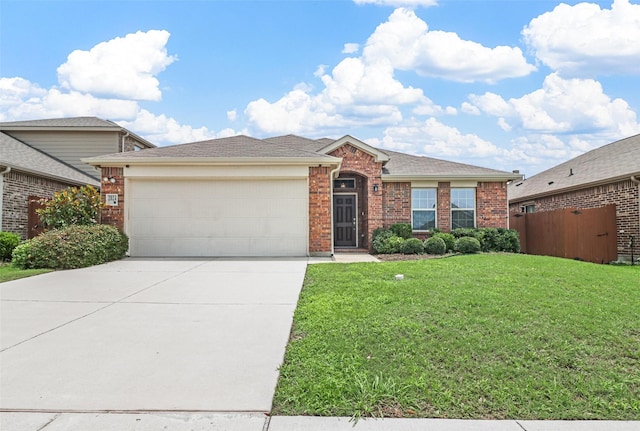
435,245
412,246
8,241
449,239
492,239
72,247
467,245
403,230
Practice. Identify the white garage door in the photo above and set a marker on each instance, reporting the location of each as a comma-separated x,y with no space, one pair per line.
217,217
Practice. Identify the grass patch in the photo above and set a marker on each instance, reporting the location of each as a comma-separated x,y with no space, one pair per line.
9,272
484,336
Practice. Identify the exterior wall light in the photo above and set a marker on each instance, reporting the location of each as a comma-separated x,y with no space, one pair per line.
375,187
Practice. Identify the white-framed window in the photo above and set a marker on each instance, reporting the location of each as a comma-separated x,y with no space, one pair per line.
423,209
463,208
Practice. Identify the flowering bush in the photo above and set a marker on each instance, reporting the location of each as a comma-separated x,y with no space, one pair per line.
72,206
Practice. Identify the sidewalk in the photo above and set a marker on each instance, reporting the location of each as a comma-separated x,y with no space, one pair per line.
25,421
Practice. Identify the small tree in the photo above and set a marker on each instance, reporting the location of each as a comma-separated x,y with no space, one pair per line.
72,206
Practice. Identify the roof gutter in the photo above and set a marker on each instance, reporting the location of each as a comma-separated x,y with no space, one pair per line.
124,137
215,161
332,174
441,178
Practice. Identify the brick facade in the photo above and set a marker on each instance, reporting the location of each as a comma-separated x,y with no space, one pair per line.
491,205
624,194
113,215
17,188
443,216
320,236
354,160
396,203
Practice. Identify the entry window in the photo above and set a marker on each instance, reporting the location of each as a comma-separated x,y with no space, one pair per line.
463,208
344,183
529,208
423,209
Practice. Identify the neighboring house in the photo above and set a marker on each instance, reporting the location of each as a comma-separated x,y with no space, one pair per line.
41,157
288,196
604,176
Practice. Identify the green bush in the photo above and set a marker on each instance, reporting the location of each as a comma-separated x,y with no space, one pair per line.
385,244
72,247
508,240
435,245
467,245
412,246
72,206
449,239
8,241
490,237
380,237
403,230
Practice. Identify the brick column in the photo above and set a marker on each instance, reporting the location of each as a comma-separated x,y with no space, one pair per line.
113,215
491,203
444,207
319,211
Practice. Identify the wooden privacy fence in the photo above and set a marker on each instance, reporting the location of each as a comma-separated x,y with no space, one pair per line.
585,234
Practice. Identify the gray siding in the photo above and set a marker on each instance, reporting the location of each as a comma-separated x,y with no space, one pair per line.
72,146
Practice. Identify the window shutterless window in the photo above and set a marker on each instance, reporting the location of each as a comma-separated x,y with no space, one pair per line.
463,208
423,209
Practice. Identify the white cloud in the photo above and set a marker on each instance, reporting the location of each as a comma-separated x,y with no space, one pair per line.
563,106
232,115
124,67
583,39
23,100
351,48
397,3
406,41
435,139
468,108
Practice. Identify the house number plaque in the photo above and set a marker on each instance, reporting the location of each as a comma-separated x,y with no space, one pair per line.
111,200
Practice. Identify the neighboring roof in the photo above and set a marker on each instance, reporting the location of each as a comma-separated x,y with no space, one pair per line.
300,142
612,162
236,148
86,123
401,165
21,157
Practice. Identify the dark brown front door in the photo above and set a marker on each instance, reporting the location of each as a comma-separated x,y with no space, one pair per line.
344,220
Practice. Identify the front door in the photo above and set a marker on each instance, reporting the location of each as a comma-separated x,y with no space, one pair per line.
344,220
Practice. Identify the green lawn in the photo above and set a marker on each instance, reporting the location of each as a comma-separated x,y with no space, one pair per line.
9,272
481,336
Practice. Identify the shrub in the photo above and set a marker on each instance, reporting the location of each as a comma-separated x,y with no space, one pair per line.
380,237
385,244
449,239
72,206
467,245
412,246
508,240
71,247
403,230
8,241
490,238
435,245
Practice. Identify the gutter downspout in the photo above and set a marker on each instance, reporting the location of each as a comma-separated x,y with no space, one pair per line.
331,175
2,174
125,136
636,180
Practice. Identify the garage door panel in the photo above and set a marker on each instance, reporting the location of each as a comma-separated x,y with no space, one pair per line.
218,218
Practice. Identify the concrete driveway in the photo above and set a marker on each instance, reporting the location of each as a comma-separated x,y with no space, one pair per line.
148,335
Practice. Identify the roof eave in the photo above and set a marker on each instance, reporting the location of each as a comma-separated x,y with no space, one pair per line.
451,177
379,156
63,128
573,188
213,161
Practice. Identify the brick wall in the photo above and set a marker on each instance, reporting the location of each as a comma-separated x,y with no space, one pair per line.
622,193
319,211
17,188
444,207
362,163
396,203
113,215
491,205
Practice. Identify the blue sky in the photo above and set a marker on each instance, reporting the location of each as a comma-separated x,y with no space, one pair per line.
503,84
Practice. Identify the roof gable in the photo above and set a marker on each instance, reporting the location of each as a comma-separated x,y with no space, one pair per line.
20,156
378,155
611,162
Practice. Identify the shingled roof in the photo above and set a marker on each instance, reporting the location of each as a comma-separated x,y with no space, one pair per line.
21,157
613,162
235,147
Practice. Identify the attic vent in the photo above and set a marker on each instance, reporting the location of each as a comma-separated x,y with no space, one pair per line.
519,184
570,171
353,150
550,182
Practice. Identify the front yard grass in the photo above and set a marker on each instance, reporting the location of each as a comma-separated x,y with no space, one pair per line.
9,272
493,336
